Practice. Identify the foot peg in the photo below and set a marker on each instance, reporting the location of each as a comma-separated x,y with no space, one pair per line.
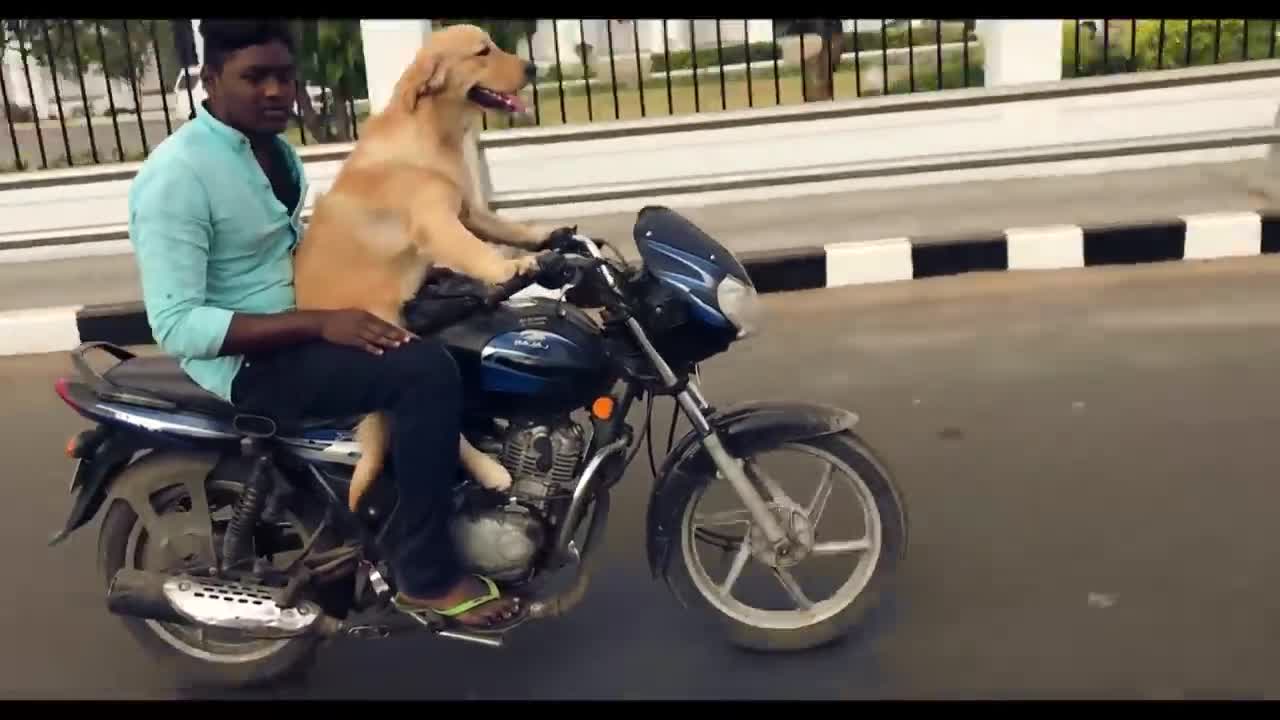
438,628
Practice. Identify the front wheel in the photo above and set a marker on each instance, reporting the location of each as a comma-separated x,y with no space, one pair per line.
726,569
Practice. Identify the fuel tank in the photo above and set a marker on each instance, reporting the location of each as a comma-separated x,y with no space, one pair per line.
529,357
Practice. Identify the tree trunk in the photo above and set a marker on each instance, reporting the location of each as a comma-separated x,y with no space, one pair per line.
342,120
820,67
314,123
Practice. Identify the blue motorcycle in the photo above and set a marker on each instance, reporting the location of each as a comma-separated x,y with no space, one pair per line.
228,549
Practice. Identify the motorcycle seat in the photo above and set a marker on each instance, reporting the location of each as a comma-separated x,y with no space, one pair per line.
161,377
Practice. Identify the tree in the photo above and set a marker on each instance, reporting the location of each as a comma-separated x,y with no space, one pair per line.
506,34
331,55
119,49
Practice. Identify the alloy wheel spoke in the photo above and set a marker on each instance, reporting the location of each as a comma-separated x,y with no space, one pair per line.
841,547
724,517
739,562
793,588
819,503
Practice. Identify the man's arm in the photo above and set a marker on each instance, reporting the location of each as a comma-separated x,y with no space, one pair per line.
171,227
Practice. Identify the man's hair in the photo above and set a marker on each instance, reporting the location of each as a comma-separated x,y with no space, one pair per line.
224,37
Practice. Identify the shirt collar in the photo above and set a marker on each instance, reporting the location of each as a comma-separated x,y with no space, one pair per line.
219,129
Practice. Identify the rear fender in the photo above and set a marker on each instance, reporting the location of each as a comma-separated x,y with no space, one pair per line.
96,466
744,429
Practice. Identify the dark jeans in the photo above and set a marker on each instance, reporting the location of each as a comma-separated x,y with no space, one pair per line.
418,385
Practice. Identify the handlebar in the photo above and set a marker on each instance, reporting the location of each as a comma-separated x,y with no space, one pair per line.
462,297
565,260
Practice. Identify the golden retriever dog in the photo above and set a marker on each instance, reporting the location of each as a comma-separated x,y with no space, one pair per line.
404,202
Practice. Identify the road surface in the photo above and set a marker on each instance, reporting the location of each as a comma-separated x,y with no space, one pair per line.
1088,455
933,212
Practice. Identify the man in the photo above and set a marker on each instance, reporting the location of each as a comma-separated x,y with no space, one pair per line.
214,215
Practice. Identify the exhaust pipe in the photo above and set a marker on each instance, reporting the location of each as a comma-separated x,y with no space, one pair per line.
213,602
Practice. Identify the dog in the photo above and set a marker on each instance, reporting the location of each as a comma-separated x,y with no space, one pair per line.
403,202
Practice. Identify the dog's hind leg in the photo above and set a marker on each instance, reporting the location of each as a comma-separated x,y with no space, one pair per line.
373,435
487,471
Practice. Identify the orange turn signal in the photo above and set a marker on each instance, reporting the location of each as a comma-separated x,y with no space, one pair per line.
602,408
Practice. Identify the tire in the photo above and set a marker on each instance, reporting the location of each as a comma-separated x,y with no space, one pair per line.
846,448
287,659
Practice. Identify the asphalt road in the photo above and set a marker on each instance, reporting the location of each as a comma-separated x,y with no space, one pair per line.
1089,458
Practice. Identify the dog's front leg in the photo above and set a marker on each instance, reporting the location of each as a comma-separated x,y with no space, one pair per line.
495,229
441,237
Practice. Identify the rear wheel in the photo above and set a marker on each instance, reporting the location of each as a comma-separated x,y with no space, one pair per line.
723,555
172,516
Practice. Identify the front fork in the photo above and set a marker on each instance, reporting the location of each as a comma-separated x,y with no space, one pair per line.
695,408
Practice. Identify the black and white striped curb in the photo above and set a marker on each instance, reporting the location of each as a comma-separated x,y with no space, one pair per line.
1194,237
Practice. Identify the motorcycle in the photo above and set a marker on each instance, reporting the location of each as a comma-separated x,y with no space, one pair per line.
205,504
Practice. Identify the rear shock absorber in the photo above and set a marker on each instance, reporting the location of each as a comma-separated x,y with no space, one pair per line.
257,488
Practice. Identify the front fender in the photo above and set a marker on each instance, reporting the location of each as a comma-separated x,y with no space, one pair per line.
744,429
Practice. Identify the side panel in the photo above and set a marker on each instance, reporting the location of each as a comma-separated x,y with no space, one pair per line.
529,357
742,428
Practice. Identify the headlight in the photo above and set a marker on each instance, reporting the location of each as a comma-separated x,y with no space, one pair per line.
740,303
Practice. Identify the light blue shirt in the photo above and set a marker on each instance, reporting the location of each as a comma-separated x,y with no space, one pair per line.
210,239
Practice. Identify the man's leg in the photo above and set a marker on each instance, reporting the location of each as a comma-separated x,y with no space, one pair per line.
419,387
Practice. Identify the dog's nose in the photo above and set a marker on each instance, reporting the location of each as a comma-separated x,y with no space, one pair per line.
530,71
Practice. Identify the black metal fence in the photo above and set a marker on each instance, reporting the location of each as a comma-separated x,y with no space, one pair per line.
794,61
89,92
113,89
1109,46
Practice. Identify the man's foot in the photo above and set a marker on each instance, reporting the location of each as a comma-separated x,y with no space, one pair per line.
474,603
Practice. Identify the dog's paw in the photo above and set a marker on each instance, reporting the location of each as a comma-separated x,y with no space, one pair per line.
490,473
526,265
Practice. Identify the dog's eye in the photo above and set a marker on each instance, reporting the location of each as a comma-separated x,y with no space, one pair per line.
484,51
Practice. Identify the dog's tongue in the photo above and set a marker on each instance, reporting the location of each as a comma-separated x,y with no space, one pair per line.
517,105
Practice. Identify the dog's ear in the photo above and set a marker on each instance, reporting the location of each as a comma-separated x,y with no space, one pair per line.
427,76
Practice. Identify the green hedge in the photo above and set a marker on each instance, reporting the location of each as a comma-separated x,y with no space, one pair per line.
896,36
868,39
711,57
1148,53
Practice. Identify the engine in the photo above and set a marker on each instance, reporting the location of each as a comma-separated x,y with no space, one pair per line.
544,461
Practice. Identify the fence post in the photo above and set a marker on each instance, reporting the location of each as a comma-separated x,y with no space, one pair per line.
389,47
1021,51
198,40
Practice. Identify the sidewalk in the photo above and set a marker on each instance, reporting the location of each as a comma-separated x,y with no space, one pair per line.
924,214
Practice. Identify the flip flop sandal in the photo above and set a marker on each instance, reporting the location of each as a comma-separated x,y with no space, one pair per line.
448,616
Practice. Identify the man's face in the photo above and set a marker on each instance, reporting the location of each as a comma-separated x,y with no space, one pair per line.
256,89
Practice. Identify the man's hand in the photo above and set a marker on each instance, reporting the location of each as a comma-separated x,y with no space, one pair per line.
361,329
251,333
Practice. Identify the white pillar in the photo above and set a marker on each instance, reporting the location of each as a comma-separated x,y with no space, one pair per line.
760,30
544,48
1021,51
389,47
650,36
198,40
